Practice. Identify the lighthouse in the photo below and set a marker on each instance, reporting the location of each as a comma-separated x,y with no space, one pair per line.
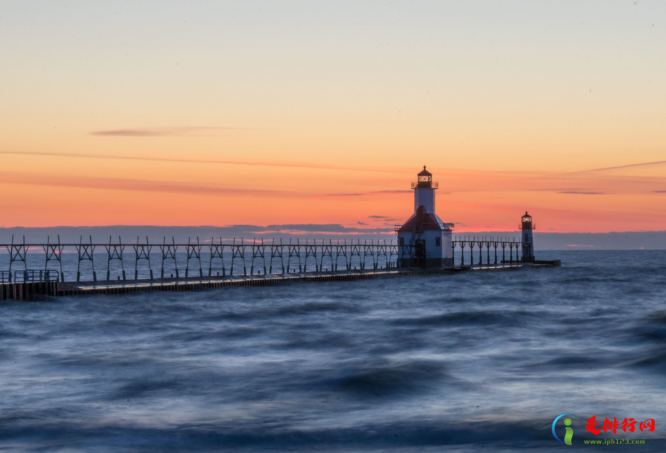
527,238
425,240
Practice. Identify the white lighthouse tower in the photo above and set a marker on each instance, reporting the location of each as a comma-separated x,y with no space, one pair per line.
424,240
527,237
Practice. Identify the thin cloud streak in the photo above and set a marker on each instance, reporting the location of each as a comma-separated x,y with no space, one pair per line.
134,185
323,228
161,132
645,164
334,195
211,161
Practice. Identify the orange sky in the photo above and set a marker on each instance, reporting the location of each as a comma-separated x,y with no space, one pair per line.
224,114
64,190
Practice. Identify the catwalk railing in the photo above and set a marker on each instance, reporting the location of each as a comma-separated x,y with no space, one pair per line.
30,276
228,258
235,257
491,245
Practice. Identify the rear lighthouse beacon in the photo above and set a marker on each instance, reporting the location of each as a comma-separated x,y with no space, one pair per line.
424,240
527,238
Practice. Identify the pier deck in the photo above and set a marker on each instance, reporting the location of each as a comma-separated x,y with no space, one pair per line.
35,290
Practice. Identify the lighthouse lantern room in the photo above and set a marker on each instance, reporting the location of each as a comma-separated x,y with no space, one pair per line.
425,240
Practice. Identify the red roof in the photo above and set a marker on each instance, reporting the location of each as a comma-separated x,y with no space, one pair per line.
423,221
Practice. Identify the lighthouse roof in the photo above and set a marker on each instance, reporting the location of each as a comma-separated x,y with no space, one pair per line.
425,172
424,221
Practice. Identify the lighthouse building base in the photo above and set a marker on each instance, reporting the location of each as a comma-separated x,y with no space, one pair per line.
425,262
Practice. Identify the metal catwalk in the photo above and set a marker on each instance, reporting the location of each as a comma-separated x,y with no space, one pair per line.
229,258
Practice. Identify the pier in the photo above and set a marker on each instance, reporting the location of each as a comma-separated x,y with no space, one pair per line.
231,264
425,245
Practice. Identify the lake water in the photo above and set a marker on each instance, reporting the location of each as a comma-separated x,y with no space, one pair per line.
467,362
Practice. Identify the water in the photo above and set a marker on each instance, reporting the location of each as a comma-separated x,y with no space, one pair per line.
468,362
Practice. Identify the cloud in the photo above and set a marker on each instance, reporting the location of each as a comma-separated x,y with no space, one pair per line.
132,185
645,164
363,194
384,219
209,161
361,223
575,192
146,185
323,228
161,132
339,195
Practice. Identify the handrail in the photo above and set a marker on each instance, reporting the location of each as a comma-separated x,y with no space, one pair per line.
30,276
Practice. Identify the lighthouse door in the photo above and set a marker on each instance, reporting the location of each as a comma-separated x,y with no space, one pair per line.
419,249
420,252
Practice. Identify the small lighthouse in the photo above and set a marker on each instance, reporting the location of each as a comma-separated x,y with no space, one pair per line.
424,240
527,238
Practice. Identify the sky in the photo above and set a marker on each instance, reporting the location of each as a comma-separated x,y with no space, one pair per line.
185,113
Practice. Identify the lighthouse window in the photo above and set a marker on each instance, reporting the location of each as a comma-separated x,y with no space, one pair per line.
438,242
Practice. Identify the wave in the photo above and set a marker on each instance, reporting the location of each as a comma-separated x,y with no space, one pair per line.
414,435
389,380
467,318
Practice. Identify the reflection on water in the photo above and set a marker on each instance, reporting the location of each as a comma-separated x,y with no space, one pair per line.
464,362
